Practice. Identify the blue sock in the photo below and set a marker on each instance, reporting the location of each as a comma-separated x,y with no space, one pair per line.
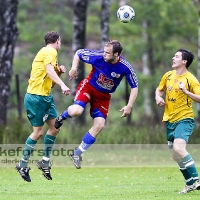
49,141
87,141
65,115
28,149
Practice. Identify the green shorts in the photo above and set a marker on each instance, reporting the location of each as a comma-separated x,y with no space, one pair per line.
39,108
181,129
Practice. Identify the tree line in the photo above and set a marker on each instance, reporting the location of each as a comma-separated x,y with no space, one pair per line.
150,40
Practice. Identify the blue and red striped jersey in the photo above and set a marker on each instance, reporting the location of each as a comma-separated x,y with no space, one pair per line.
105,76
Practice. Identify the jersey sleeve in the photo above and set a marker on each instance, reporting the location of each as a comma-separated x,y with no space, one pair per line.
132,79
163,81
89,56
129,72
195,86
49,57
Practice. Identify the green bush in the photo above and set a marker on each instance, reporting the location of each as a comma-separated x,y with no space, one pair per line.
17,132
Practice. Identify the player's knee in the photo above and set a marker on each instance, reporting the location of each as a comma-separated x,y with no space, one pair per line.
37,134
75,110
178,149
99,127
53,131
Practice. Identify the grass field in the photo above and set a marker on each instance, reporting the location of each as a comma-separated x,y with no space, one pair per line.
104,183
109,172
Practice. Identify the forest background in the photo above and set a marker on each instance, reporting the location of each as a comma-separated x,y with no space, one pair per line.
159,29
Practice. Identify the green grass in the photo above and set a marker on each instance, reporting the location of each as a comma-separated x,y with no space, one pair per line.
104,183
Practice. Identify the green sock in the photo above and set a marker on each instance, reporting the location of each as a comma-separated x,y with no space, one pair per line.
49,141
186,174
28,149
191,167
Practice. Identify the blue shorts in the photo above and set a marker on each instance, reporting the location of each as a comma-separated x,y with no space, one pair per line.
39,108
181,129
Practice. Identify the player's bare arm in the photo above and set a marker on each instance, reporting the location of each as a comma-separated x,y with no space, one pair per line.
61,70
159,100
195,97
55,78
127,109
73,73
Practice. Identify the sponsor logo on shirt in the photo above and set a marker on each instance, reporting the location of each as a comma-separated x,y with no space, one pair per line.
172,100
104,82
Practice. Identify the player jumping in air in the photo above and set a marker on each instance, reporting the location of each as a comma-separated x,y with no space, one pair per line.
39,103
108,70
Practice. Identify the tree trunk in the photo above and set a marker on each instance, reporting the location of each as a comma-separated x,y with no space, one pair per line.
80,12
197,4
104,21
8,33
152,65
146,71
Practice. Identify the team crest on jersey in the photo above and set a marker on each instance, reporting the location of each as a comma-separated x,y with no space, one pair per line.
113,74
169,88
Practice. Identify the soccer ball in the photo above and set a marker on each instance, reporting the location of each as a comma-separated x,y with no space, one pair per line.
125,14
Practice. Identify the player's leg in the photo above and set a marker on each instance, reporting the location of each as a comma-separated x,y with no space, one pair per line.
184,131
35,115
90,137
182,157
186,165
82,97
98,111
171,131
30,143
49,139
44,164
179,154
74,110
88,140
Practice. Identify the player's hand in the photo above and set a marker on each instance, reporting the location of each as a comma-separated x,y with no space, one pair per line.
73,73
65,90
182,87
126,111
160,101
62,69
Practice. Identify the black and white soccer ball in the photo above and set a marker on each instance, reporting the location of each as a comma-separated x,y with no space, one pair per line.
125,14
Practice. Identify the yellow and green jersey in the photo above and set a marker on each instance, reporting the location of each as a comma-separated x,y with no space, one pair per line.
178,105
39,82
